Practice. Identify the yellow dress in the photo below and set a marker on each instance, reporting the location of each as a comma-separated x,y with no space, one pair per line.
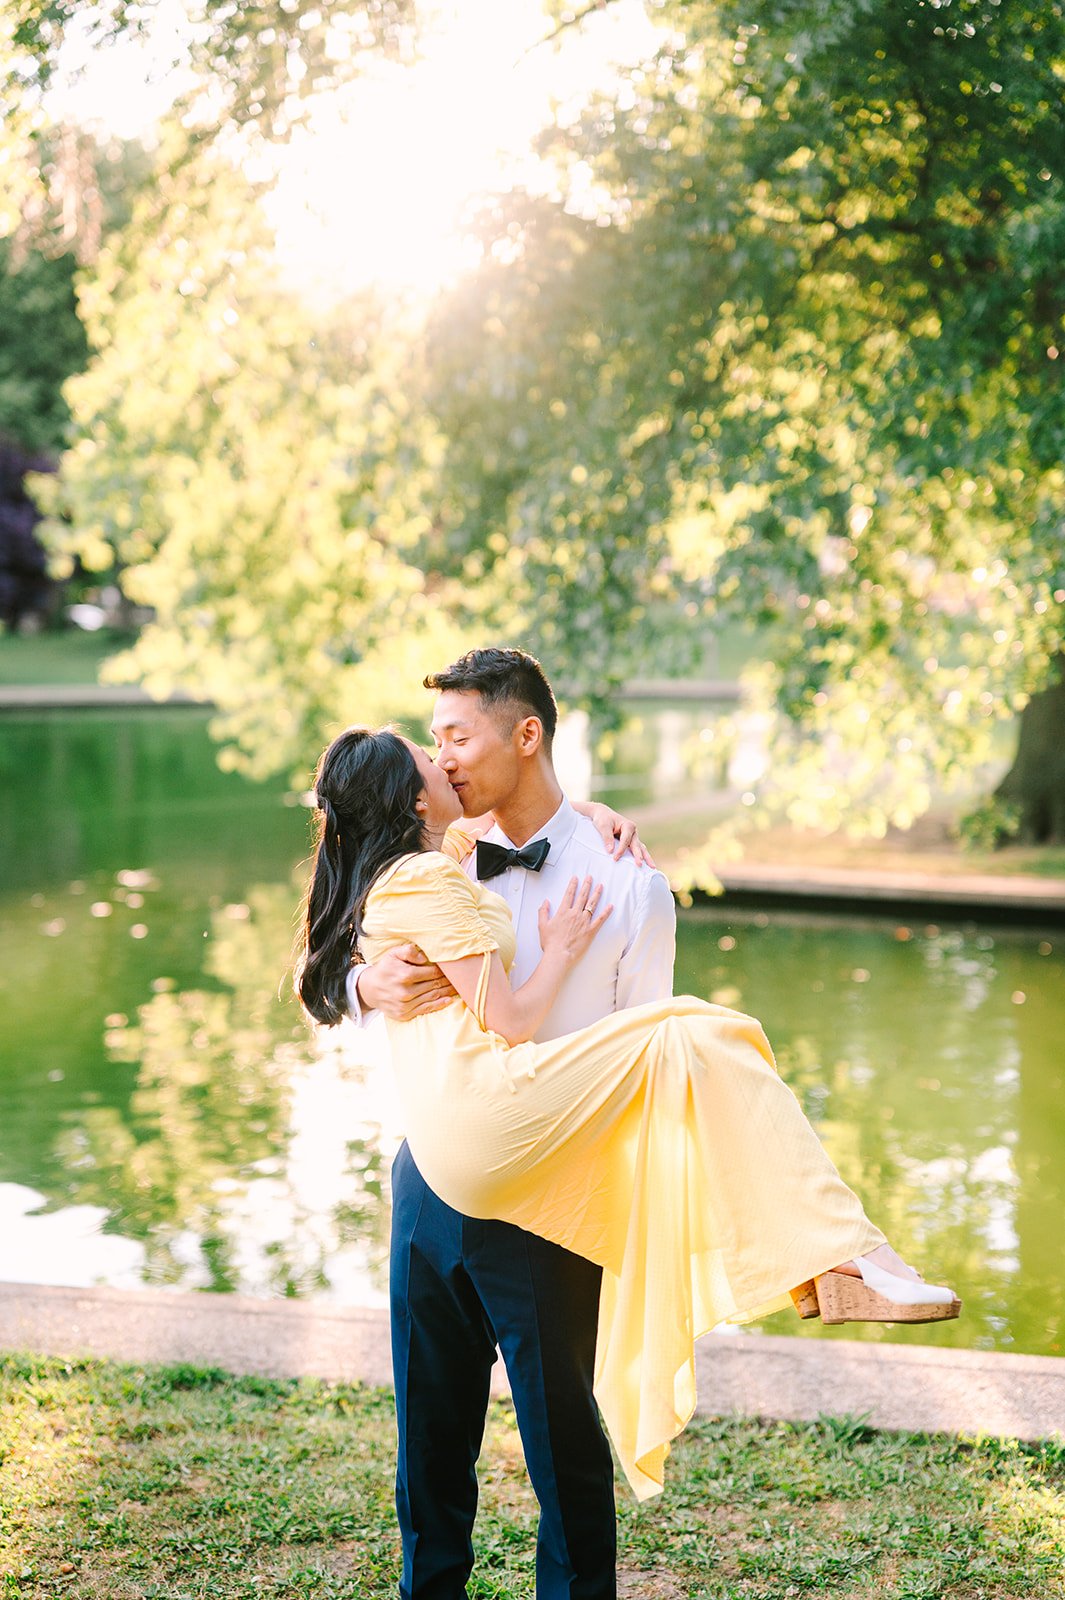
659,1143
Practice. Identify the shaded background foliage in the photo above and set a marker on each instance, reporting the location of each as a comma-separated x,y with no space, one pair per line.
41,343
24,581
72,192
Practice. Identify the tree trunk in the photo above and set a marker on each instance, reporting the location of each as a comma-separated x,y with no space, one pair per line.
1036,780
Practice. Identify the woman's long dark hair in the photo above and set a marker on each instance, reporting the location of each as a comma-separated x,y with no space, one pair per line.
366,786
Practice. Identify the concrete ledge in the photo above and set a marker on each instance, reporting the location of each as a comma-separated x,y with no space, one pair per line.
61,695
78,696
913,1388
981,896
869,884
277,1338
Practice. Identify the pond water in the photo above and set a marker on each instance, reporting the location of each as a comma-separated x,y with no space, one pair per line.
165,1117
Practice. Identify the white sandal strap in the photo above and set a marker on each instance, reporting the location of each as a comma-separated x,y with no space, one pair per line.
904,1291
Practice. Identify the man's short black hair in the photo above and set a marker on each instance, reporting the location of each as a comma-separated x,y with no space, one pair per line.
503,678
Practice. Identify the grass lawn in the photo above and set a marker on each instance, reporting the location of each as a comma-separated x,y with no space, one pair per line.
49,659
144,1483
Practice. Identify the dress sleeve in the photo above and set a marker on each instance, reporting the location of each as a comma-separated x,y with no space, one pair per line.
458,842
429,901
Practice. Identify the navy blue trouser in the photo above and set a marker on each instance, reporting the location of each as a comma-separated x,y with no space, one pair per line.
460,1288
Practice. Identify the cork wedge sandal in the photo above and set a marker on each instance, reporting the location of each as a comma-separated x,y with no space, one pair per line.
876,1296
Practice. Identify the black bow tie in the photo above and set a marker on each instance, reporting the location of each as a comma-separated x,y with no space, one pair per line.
492,859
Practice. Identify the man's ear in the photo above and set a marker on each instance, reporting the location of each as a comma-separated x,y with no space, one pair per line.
529,736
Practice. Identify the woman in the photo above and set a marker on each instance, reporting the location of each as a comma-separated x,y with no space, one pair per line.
660,1142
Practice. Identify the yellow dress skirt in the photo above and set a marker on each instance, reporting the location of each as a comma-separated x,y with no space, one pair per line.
659,1143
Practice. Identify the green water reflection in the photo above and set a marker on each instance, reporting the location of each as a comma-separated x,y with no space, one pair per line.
165,1118
931,1061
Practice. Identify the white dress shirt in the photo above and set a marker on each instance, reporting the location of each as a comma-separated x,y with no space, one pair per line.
630,960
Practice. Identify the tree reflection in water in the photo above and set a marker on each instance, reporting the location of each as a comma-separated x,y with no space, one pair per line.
949,1214
920,1053
253,1156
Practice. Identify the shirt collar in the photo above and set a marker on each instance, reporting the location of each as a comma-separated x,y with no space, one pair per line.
558,829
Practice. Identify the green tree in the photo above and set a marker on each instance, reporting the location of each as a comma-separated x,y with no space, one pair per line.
785,349
60,192
796,361
41,344
254,471
248,468
264,59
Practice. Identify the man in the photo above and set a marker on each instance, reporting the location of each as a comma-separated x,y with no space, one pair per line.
460,1287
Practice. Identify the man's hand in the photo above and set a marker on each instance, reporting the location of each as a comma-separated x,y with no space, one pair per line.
404,984
616,831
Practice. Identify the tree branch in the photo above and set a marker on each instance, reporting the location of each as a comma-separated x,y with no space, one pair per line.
572,21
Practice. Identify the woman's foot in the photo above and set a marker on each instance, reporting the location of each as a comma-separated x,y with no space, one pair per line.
878,1287
881,1287
884,1258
